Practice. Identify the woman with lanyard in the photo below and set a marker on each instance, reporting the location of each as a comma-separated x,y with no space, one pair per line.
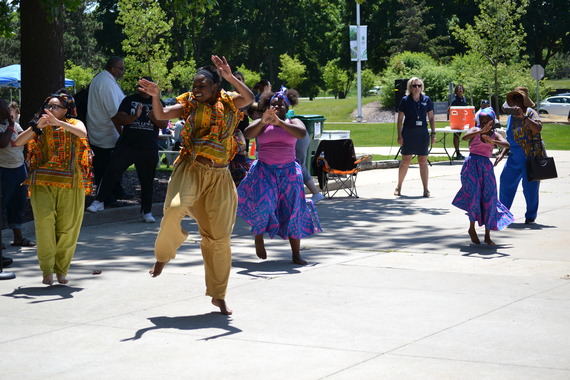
201,185
413,136
272,196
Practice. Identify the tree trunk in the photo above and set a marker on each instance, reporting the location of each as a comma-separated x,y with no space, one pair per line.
495,99
42,57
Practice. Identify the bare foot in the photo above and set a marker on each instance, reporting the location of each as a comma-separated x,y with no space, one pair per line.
298,260
260,247
489,241
48,279
222,305
61,279
473,235
156,270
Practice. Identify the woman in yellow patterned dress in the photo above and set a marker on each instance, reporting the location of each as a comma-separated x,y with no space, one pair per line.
60,176
201,185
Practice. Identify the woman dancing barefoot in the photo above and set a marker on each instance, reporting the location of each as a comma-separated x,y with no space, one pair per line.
478,193
201,185
272,196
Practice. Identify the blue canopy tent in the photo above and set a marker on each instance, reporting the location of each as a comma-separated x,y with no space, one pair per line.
10,77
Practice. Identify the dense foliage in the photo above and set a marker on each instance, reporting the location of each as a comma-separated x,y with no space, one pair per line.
304,43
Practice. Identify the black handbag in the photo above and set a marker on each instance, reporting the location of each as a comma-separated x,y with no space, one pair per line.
541,167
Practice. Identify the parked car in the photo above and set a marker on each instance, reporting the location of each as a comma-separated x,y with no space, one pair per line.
170,101
555,105
376,90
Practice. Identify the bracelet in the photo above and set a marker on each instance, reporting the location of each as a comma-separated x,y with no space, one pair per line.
433,133
36,130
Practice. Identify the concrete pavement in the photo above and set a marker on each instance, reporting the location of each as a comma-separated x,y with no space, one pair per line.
394,290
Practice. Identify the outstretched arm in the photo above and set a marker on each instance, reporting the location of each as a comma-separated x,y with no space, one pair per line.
160,112
245,96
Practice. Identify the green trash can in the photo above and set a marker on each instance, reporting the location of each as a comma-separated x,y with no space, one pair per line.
314,125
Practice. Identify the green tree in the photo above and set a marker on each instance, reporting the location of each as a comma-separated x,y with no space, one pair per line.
414,32
368,81
79,43
81,76
251,77
496,34
335,78
472,70
182,75
6,18
146,31
291,71
558,67
189,20
436,76
547,26
10,42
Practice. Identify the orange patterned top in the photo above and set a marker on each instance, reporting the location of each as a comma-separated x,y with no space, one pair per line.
61,159
209,129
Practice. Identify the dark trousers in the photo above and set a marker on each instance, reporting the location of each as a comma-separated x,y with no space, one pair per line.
123,156
14,195
101,160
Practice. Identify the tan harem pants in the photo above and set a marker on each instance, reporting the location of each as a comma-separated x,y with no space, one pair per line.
208,195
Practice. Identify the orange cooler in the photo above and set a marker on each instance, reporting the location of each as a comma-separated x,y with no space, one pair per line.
470,117
461,117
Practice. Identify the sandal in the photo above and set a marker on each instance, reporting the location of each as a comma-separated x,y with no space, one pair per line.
397,192
427,194
24,243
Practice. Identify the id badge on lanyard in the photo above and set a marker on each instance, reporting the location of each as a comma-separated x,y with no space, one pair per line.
419,123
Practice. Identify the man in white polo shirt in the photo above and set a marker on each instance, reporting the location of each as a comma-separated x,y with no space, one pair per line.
105,96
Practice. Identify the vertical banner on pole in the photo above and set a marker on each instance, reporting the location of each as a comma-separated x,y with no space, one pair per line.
353,32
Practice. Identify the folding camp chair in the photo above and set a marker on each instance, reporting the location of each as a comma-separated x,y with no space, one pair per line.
335,162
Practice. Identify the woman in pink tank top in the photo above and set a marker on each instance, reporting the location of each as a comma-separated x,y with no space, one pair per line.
478,193
271,198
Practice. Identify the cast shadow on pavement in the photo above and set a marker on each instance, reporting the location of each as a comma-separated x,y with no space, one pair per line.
192,322
533,226
39,294
484,251
268,268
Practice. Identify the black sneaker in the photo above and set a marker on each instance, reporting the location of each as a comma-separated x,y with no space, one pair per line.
459,156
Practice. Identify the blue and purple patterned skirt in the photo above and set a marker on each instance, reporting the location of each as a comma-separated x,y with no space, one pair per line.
271,199
478,194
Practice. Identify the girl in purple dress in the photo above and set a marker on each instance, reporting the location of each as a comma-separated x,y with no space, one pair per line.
478,193
271,198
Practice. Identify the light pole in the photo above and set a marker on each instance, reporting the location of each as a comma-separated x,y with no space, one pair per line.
358,66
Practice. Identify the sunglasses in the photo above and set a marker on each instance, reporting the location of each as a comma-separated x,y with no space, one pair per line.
53,107
416,85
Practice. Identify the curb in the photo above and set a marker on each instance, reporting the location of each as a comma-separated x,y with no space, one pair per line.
110,215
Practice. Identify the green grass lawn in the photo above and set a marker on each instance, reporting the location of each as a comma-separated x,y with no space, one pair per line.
331,109
555,136
559,83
